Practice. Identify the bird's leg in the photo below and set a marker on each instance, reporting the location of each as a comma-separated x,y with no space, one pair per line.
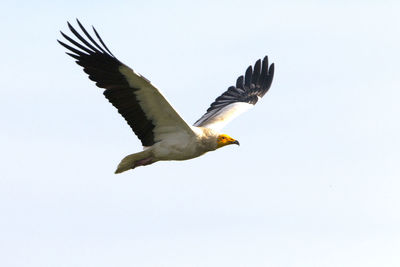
143,162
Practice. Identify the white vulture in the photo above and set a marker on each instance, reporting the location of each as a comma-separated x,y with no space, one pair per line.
162,131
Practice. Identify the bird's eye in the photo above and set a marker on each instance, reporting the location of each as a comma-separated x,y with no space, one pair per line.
223,137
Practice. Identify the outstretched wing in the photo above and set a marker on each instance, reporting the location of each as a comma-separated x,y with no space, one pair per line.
236,100
142,105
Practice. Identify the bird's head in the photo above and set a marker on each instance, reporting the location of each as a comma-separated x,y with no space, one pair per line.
224,140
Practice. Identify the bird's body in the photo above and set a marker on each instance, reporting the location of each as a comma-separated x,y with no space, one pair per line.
182,146
162,131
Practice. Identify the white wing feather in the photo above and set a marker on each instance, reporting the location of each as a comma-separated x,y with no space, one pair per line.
156,107
222,117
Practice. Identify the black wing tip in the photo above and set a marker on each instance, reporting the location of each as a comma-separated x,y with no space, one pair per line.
265,60
272,65
79,23
247,75
63,34
249,69
267,69
271,69
239,82
258,77
258,62
70,26
61,43
77,20
86,44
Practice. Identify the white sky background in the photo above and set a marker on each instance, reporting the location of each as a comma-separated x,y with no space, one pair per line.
315,181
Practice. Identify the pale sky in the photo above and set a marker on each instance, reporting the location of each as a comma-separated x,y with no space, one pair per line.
315,181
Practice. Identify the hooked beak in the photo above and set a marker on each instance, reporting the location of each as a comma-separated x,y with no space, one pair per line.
236,142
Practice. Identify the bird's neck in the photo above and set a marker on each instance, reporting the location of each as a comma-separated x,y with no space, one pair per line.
207,138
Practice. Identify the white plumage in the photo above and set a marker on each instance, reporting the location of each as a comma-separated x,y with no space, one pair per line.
162,131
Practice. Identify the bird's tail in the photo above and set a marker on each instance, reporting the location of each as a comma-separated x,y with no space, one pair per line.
135,160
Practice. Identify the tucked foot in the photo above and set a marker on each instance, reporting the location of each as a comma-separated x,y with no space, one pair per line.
143,162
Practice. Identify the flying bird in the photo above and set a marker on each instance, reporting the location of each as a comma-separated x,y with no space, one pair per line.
161,130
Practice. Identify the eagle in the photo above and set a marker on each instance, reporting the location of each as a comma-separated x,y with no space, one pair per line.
161,130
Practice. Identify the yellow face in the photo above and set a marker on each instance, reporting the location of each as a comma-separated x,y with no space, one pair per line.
224,140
